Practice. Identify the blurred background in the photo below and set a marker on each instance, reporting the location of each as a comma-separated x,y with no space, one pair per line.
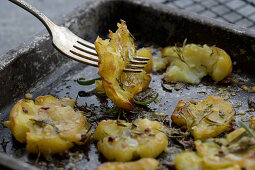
17,25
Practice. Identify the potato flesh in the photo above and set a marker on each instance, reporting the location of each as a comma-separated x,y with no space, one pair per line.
142,164
212,156
114,55
192,62
188,161
252,123
48,125
206,119
126,142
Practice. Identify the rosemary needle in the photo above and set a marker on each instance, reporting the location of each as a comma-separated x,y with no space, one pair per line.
147,102
247,128
82,81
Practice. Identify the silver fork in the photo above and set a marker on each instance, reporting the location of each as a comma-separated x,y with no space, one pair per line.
73,46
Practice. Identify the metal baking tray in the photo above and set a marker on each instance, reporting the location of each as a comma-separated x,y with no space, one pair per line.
36,67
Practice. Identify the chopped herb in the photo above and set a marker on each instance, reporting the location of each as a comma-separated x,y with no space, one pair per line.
4,144
111,110
133,126
119,123
103,94
147,102
166,88
41,123
120,83
222,113
82,81
247,128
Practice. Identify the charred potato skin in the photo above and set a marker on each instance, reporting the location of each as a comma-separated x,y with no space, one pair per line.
42,125
125,143
190,116
112,61
144,163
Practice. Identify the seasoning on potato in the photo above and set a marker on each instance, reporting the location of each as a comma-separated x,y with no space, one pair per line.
205,119
192,62
235,151
114,55
122,141
48,125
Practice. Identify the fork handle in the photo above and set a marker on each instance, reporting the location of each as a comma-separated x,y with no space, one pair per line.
46,21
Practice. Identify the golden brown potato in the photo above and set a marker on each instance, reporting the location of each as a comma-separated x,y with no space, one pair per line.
188,161
252,123
191,63
142,164
114,55
48,125
206,119
121,141
235,152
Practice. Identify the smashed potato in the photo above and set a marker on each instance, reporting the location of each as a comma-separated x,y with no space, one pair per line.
205,119
114,55
121,141
252,123
144,163
234,152
48,125
191,63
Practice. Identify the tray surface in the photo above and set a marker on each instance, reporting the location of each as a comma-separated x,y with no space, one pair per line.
60,80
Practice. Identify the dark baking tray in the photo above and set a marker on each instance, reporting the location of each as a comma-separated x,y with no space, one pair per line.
36,67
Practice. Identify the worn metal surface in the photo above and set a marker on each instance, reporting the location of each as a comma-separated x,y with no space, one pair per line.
39,69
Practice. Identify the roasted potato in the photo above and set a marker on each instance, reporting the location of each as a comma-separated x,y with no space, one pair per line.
205,119
191,63
142,164
121,141
252,123
114,55
235,152
48,125
188,161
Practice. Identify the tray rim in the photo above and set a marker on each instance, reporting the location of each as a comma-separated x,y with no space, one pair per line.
13,54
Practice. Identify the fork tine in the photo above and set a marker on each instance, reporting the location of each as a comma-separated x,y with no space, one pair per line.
135,66
77,57
132,70
84,55
85,49
140,58
86,43
82,60
138,62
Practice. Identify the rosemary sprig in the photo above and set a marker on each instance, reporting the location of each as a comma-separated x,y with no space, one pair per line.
247,128
147,102
82,81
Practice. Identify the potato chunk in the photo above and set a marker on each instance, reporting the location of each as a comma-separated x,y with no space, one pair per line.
235,152
252,123
188,161
121,141
191,63
206,119
144,163
48,125
114,55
